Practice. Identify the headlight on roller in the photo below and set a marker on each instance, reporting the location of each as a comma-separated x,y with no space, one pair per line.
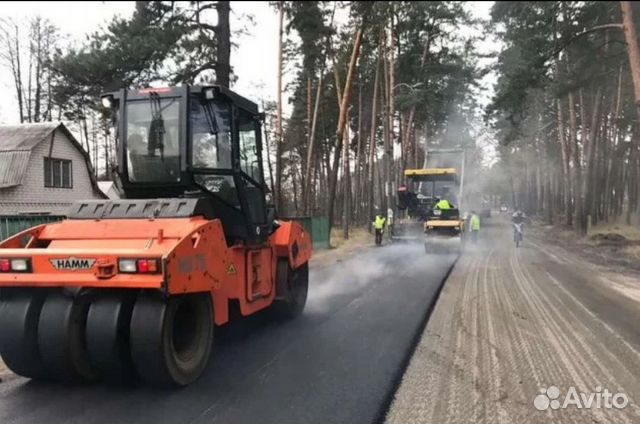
127,265
15,265
20,265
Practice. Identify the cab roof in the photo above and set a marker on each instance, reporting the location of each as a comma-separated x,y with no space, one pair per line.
431,174
140,93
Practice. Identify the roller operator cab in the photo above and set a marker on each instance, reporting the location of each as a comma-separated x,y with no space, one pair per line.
134,288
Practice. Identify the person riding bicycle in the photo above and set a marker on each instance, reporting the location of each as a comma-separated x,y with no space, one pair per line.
518,219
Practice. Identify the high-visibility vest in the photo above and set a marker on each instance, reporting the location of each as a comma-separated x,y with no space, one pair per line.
443,204
379,222
475,223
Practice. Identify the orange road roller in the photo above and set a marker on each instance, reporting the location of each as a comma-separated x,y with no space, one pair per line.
134,288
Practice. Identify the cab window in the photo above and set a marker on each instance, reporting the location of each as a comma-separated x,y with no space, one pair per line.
153,134
249,162
211,135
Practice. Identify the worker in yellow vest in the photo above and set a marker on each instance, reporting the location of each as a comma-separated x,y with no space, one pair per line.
475,226
443,204
379,224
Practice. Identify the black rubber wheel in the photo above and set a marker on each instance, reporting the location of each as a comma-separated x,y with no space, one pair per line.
291,290
171,338
19,315
61,338
107,335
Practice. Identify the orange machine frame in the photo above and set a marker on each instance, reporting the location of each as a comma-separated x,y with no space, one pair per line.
193,254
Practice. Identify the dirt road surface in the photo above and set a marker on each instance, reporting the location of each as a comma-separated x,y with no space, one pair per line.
511,322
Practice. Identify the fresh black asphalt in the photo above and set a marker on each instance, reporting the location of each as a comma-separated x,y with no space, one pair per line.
338,363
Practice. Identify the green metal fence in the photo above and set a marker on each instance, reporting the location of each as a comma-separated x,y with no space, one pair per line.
13,224
318,227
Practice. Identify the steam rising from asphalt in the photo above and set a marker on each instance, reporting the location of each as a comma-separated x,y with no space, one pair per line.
375,265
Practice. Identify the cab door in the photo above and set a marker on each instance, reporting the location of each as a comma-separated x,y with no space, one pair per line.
251,184
259,261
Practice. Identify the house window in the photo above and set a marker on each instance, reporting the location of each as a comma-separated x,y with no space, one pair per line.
57,173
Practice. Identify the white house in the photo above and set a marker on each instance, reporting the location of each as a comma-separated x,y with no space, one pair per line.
43,170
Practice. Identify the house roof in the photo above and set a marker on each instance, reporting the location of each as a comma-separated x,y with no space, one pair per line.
13,167
26,136
16,144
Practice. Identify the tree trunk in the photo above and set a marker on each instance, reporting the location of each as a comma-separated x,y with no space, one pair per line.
346,174
106,156
223,34
408,134
29,82
412,159
588,178
358,162
632,176
49,93
337,153
386,156
279,141
346,97
566,168
372,137
577,166
294,178
391,143
18,75
38,94
310,149
633,50
309,100
611,160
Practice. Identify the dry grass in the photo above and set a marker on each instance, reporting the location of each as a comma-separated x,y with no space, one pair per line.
633,251
359,238
611,244
629,232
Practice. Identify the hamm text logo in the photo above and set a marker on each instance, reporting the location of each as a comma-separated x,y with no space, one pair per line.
72,264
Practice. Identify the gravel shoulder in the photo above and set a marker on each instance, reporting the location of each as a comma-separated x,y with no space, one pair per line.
510,322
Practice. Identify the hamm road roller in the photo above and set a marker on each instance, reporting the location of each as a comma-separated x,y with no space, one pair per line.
135,287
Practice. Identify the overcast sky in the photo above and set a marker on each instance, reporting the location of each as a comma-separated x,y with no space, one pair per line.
254,60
